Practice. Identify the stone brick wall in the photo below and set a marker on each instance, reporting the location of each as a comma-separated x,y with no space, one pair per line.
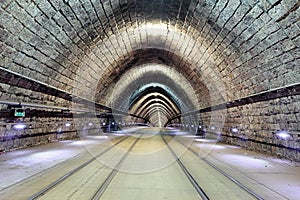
228,50
41,130
43,124
258,125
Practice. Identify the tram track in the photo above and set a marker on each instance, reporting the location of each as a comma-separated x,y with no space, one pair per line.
202,183
199,190
238,183
57,182
181,175
113,173
256,189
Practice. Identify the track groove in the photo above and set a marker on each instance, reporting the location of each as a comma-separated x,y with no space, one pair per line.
67,175
199,190
111,176
224,173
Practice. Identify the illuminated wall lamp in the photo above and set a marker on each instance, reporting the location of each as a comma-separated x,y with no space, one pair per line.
283,135
19,126
234,130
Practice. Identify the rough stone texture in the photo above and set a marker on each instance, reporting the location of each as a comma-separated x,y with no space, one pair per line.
42,130
42,125
258,125
227,50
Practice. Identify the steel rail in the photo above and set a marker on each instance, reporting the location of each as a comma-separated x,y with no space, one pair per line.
113,173
199,190
238,183
70,173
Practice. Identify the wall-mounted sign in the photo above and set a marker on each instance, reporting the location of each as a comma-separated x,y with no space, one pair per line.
19,113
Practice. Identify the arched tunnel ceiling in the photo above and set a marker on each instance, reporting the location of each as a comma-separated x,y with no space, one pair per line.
135,90
157,75
159,98
225,49
156,95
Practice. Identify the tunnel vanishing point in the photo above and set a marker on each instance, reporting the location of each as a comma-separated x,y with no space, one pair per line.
228,70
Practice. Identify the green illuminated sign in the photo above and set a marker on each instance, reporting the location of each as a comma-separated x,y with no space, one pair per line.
19,113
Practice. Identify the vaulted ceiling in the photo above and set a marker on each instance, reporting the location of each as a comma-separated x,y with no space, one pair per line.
164,56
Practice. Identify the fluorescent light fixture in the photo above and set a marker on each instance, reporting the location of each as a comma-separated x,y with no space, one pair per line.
19,126
90,124
283,135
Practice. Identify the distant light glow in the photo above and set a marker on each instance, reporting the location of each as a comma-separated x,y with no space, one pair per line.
200,126
213,128
67,124
19,126
205,140
102,137
103,123
283,134
90,124
235,130
119,134
186,135
218,147
113,123
155,28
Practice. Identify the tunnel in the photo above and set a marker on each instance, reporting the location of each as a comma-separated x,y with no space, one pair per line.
227,71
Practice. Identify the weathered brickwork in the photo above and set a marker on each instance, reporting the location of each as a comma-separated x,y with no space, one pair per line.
43,129
258,125
17,94
227,50
42,126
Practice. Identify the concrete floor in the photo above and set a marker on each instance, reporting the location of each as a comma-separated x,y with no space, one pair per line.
150,171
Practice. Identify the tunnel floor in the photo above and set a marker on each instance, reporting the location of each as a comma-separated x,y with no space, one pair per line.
145,163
